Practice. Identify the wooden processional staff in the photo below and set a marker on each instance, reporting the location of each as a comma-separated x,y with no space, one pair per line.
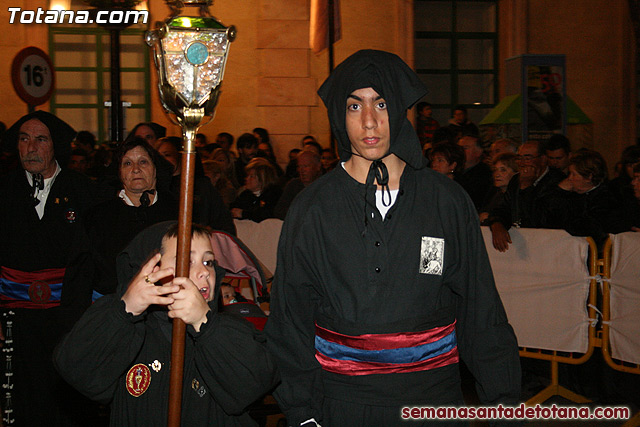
190,53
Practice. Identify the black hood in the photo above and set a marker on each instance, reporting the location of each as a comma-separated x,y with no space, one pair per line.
392,79
159,130
61,134
146,244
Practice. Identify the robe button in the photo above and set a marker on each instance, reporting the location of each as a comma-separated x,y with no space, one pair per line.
377,269
377,244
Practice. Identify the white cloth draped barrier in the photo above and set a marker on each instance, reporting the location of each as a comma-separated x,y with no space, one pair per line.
543,280
624,325
262,238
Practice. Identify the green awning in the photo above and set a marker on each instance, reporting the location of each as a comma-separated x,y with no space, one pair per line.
509,111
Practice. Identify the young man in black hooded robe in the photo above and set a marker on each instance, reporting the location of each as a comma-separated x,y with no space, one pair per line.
119,352
383,280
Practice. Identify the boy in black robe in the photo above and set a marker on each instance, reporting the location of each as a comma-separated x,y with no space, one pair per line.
383,280
119,351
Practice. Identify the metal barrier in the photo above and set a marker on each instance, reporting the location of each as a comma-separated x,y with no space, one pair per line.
605,332
556,357
548,282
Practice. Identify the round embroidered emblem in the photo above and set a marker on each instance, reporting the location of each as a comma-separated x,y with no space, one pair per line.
39,292
138,379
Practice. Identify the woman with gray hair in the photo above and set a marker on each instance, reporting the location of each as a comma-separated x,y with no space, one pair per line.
584,200
504,167
262,192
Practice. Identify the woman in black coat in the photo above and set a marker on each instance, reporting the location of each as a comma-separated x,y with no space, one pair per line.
140,203
259,198
584,201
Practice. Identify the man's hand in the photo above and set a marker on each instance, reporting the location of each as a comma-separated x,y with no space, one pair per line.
143,292
189,304
501,237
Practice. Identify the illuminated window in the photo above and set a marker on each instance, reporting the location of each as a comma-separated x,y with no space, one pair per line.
456,55
81,57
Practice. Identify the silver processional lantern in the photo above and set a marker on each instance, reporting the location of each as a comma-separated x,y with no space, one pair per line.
190,57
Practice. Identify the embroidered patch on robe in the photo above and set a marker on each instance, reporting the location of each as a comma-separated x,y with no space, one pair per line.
138,379
432,255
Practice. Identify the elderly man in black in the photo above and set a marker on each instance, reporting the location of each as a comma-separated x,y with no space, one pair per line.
310,169
42,205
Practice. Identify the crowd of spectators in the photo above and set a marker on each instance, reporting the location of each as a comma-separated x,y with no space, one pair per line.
539,184
535,184
532,184
222,168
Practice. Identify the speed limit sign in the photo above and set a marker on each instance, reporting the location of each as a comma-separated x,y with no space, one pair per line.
32,75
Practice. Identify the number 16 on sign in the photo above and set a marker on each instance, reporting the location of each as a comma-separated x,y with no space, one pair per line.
32,74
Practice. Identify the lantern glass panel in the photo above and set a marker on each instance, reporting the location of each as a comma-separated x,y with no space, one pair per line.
194,82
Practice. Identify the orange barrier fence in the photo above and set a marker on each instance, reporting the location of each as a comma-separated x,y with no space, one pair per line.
620,334
548,284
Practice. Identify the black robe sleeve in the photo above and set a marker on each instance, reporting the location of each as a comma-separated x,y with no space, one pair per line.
291,341
232,357
100,347
486,341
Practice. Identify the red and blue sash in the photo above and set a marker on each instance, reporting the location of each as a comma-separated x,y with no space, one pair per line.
30,289
386,353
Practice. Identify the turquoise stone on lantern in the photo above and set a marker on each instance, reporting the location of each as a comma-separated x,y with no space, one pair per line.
197,53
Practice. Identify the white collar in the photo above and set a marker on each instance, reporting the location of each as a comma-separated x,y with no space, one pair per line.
541,176
48,182
43,194
127,200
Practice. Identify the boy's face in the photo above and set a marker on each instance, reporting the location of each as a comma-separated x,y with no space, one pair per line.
426,111
228,294
558,159
201,271
367,124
